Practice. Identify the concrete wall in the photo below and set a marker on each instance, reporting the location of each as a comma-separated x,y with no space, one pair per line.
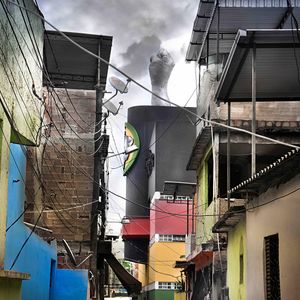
236,246
20,69
70,284
37,257
282,217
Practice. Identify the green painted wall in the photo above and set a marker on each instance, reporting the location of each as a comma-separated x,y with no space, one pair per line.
204,224
10,289
20,69
157,295
4,166
237,248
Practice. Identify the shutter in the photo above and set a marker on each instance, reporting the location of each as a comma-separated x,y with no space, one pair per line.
272,267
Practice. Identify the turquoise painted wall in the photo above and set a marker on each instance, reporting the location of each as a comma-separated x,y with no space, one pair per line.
70,284
37,255
38,258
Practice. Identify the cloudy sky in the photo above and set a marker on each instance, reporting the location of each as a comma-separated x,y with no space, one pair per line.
139,28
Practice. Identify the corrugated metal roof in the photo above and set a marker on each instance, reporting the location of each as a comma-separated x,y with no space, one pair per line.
235,15
70,67
280,171
276,67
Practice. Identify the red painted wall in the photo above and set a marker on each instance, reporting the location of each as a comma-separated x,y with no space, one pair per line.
138,227
166,223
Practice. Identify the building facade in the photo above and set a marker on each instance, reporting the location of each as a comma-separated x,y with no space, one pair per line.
241,86
155,235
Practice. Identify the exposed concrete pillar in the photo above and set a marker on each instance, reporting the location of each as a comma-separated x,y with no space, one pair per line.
5,133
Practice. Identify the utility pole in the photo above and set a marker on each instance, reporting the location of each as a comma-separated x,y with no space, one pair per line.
98,169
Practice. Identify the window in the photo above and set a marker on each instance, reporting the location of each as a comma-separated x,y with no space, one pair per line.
210,177
241,261
165,285
171,238
241,268
272,267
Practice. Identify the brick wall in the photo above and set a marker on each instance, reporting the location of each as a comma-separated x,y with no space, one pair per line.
265,111
66,173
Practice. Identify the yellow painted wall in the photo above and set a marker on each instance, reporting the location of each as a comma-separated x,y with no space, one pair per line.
236,247
162,257
10,289
142,274
179,296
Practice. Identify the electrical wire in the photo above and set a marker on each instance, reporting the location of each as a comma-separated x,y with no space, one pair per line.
25,242
18,218
149,91
155,259
21,96
13,89
38,54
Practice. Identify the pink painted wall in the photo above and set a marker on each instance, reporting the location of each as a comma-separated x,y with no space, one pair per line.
162,223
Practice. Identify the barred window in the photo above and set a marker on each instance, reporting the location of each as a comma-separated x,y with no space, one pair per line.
171,238
165,285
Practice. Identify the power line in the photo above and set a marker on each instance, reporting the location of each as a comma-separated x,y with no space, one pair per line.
38,54
13,89
27,239
149,91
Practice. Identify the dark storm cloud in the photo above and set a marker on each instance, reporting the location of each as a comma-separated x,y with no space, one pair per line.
133,24
138,54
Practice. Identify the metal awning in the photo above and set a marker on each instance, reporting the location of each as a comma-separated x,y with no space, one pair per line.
70,67
178,188
275,57
233,16
199,148
280,171
132,285
229,219
182,264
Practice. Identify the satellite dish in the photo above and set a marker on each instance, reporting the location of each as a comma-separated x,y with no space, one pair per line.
71,255
111,107
118,84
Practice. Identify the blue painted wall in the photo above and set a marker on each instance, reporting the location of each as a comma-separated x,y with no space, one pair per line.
37,258
37,255
70,284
